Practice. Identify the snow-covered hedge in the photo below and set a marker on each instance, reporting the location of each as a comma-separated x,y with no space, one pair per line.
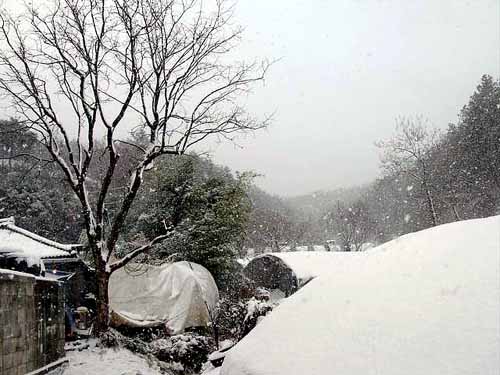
188,350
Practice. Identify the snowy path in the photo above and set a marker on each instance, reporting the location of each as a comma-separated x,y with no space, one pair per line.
108,362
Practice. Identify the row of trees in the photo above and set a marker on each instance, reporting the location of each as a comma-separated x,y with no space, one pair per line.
274,223
32,189
430,177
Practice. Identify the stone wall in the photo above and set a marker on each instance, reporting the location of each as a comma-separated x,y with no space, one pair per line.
31,322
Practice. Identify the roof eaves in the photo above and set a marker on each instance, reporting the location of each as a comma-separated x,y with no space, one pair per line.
7,220
9,224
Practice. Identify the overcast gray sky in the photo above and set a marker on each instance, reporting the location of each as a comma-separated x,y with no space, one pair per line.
348,68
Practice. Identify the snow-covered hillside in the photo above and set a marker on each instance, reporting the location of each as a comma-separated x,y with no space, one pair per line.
425,303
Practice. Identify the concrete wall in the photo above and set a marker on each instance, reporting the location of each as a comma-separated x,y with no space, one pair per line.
31,322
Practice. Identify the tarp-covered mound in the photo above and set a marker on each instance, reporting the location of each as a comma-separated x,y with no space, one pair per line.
290,271
425,303
178,295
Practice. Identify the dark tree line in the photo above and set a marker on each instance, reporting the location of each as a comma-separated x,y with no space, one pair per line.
274,224
32,189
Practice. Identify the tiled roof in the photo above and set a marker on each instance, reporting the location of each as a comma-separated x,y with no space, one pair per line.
17,240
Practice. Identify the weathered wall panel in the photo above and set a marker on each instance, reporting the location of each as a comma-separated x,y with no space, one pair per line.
31,323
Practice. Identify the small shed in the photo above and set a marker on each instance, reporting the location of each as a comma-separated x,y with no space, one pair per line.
177,295
288,272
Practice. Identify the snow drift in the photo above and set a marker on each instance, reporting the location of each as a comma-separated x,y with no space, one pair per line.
425,303
179,295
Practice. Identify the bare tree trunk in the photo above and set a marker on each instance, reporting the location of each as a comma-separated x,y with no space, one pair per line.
430,206
102,317
346,245
276,245
455,212
102,282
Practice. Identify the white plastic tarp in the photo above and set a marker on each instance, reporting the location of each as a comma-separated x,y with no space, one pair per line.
179,295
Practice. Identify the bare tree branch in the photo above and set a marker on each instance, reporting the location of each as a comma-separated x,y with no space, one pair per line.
80,70
135,253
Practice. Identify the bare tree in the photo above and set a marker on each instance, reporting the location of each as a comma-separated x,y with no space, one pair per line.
353,225
79,70
408,153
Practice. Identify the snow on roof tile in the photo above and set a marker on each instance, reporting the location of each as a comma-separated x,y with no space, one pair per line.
17,240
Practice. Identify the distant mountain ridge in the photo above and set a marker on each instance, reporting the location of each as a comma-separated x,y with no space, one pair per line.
316,204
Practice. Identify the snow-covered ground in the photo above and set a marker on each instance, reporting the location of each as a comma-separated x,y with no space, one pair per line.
425,303
94,360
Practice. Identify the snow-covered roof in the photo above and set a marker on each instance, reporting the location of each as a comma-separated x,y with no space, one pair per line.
20,241
11,274
309,264
425,303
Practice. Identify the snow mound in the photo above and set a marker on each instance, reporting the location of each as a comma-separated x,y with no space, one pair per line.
425,303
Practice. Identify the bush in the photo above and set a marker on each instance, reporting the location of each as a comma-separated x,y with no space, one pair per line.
235,318
255,311
189,350
229,318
